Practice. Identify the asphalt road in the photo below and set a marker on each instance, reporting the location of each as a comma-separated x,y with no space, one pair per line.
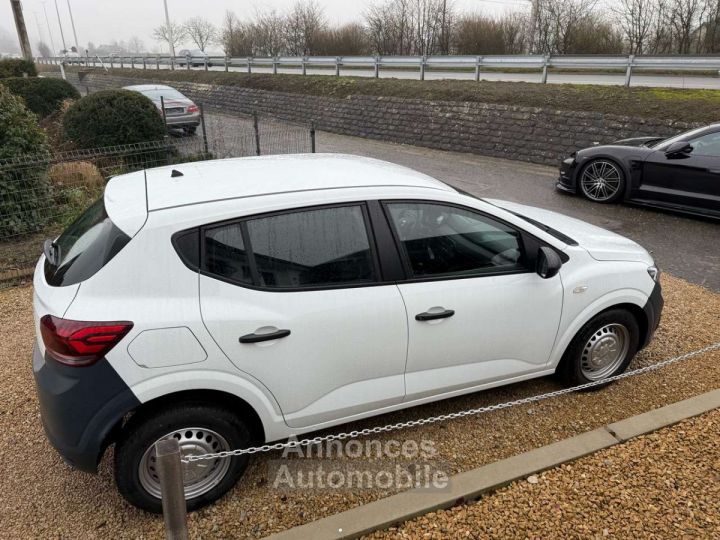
685,247
666,81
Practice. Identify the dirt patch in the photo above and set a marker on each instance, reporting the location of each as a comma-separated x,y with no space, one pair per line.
40,496
685,105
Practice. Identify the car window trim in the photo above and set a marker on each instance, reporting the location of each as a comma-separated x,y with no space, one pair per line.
411,278
247,244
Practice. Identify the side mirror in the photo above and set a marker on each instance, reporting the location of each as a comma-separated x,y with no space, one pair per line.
548,263
678,148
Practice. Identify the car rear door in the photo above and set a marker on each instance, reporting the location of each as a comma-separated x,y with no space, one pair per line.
477,314
296,300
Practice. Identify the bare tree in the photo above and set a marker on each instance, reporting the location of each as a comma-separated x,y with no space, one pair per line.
709,31
515,33
636,19
172,34
302,26
554,23
43,49
200,31
348,40
476,34
268,33
135,45
683,19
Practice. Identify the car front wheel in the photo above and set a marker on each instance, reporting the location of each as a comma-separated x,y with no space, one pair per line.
602,181
602,348
199,429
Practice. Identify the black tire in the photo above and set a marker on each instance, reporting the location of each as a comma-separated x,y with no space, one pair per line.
571,370
615,181
143,429
190,130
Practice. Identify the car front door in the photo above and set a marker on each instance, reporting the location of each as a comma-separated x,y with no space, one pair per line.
477,313
685,178
295,300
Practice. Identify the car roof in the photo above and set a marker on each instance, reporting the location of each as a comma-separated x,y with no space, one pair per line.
222,179
141,87
129,197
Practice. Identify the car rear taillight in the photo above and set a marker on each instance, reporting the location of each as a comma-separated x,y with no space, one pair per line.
80,343
192,108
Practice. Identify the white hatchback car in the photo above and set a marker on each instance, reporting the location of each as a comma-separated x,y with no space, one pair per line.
235,302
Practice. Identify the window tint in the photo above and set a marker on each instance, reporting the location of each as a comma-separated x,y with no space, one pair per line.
442,240
225,253
307,248
87,245
707,145
312,248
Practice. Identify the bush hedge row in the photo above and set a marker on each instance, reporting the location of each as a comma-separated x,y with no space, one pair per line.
17,67
43,96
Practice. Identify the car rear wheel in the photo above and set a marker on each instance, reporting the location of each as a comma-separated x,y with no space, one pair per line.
602,181
602,348
199,429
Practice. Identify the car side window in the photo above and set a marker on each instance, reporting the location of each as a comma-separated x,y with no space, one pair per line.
312,248
304,248
445,240
707,145
225,253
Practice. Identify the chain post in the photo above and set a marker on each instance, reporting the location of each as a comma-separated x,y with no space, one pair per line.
170,470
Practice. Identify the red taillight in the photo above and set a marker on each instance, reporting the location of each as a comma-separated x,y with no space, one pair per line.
192,108
80,343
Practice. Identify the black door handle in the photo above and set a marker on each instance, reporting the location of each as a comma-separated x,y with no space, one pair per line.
427,316
257,338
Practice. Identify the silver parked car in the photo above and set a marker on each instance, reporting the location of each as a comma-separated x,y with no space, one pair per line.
195,57
180,111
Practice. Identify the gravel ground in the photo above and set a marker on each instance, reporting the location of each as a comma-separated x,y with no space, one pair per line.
40,496
662,485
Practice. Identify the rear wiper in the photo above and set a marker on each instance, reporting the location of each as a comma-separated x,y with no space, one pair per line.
52,251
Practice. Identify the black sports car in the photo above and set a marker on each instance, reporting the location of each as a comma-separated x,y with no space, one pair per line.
681,173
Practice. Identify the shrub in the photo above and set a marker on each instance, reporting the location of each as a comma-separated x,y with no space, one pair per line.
76,174
17,67
42,96
113,117
23,189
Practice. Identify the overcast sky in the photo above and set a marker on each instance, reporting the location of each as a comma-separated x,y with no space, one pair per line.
102,21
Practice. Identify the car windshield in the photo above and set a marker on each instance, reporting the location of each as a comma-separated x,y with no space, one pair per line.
682,137
166,93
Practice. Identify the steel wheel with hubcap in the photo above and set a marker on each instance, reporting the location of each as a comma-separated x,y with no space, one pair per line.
200,428
199,477
602,181
605,351
603,347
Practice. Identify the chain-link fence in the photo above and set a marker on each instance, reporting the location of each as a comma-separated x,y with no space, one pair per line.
41,194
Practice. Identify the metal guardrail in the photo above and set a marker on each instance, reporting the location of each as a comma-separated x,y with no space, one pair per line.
541,63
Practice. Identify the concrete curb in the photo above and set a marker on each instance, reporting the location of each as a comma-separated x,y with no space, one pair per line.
470,485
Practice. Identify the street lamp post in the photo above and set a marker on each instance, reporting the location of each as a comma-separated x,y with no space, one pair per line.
169,30
72,23
21,29
62,35
47,21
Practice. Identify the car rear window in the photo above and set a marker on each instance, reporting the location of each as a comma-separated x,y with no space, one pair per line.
87,245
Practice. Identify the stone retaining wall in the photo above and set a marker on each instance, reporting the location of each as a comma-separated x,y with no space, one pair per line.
521,133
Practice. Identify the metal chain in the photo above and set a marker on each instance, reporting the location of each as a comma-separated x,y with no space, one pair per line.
449,416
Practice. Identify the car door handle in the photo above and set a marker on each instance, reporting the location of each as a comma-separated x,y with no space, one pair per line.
714,171
257,338
431,316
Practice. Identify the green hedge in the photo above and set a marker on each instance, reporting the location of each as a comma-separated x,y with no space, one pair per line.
43,96
23,190
17,67
113,117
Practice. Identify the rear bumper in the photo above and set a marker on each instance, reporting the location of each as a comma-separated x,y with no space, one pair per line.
183,120
653,310
80,407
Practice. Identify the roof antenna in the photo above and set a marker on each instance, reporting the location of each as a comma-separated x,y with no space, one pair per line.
175,173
